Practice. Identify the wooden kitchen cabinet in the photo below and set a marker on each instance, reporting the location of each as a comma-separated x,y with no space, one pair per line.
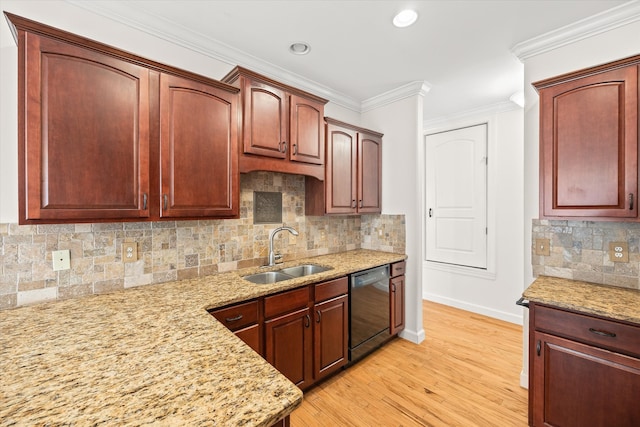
282,127
396,297
198,149
105,135
245,321
331,327
589,142
583,370
84,133
353,177
289,335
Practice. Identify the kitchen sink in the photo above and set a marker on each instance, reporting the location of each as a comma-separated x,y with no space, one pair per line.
304,270
267,277
288,273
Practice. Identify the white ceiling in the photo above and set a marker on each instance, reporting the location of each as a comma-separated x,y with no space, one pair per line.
463,49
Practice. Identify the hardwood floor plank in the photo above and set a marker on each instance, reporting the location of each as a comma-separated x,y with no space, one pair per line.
466,373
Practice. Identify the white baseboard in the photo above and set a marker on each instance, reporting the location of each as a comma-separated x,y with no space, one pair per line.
524,380
415,337
486,311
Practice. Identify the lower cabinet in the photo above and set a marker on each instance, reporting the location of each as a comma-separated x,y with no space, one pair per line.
307,343
304,332
583,370
396,297
331,327
289,336
243,320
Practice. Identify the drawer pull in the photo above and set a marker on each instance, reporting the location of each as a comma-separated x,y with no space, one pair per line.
307,322
319,316
233,319
538,348
602,333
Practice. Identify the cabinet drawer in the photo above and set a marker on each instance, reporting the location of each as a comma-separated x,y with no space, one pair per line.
275,305
603,333
331,289
397,268
237,316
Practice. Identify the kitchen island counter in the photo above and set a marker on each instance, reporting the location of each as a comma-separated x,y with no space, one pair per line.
150,355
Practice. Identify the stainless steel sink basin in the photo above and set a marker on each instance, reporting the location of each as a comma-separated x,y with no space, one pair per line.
268,277
304,270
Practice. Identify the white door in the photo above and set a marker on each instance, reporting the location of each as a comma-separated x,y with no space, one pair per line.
456,196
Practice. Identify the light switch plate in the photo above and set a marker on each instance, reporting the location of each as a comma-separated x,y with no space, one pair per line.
61,260
618,252
543,247
129,252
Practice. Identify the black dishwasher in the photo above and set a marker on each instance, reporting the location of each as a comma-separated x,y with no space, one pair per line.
369,324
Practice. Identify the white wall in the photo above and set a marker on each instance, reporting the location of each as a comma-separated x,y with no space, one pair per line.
493,291
401,123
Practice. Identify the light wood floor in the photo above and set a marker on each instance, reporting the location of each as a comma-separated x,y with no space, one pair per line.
465,373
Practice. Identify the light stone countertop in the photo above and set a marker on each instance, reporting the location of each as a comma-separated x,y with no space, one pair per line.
150,355
601,300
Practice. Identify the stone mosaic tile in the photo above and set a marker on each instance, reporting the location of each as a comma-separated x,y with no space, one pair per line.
170,250
579,251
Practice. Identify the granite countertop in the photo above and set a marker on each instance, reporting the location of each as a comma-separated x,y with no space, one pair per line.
150,355
601,300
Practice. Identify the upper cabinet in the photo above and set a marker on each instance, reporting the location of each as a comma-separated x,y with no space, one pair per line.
282,127
353,182
105,135
589,143
84,133
198,149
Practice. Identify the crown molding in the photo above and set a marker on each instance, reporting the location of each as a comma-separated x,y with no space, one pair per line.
157,26
420,88
485,110
602,22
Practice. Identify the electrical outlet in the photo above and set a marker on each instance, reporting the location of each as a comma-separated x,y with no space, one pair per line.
129,252
543,247
618,251
61,260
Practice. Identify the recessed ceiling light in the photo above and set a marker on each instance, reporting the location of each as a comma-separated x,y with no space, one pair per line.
405,18
299,48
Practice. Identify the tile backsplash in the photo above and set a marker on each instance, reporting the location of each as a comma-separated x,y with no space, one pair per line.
580,251
175,250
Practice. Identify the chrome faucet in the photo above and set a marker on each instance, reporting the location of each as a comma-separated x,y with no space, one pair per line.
272,255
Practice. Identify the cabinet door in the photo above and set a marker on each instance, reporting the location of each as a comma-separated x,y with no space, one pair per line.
589,146
330,336
265,118
576,385
369,173
251,336
198,149
289,346
341,176
396,304
84,145
306,130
